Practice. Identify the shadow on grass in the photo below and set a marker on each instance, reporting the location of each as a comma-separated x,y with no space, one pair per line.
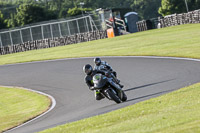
150,95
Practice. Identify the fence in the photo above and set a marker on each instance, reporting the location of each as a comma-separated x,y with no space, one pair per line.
58,28
170,20
53,42
147,24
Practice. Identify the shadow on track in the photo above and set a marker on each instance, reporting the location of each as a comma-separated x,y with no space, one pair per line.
148,85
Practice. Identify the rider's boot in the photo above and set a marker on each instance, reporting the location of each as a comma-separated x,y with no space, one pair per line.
98,95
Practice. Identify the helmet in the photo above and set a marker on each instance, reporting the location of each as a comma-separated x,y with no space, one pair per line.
87,69
97,61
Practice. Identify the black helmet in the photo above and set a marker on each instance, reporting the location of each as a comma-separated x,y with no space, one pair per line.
87,69
97,61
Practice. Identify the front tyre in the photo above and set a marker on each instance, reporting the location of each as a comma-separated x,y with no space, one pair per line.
113,96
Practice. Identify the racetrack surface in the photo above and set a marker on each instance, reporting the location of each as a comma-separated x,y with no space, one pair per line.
143,78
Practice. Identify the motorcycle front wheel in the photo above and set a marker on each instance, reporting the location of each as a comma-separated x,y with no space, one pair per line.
113,96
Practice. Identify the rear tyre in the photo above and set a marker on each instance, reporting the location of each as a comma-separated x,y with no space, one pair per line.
124,98
113,96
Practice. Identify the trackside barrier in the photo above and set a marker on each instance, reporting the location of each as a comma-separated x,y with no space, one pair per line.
179,19
53,42
171,20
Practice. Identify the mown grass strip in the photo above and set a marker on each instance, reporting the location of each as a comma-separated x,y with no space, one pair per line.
174,112
18,106
177,41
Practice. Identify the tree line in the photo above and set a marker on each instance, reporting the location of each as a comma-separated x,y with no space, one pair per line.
15,13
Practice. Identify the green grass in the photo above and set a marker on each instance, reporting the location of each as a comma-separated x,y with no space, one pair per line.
19,105
178,41
176,112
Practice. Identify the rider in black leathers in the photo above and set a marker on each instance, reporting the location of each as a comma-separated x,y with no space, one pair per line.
103,65
88,70
88,79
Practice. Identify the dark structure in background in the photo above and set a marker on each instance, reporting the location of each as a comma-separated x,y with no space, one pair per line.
122,20
120,12
131,18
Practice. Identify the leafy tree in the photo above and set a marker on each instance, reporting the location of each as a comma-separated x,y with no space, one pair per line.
2,23
20,12
145,8
193,4
74,11
77,11
27,14
178,6
11,22
172,6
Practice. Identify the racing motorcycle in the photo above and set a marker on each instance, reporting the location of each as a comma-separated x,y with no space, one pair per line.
108,88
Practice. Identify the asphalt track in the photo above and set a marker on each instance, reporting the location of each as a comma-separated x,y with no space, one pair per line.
143,77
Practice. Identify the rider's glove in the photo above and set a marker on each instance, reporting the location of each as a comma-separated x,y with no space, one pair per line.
106,74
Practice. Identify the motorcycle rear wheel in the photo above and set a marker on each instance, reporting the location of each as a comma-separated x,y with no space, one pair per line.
124,98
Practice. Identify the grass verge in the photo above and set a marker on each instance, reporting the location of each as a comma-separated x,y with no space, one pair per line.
177,112
177,41
19,105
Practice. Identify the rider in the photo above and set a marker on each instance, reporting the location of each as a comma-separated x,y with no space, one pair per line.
102,65
88,70
88,79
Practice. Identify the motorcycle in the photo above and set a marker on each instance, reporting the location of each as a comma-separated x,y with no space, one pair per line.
108,88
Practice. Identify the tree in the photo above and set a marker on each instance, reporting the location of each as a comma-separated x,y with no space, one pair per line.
77,11
2,22
21,12
27,14
11,22
193,4
175,6
146,9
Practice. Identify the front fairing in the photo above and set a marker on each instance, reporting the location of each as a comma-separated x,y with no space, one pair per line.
99,81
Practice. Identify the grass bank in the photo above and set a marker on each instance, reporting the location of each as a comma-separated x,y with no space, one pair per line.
177,112
178,41
19,105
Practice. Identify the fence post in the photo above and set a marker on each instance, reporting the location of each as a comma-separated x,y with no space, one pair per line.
11,38
21,36
87,24
91,23
51,30
31,33
59,29
42,30
68,28
78,26
1,41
